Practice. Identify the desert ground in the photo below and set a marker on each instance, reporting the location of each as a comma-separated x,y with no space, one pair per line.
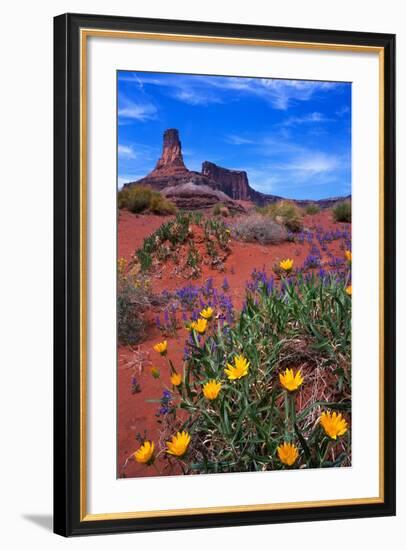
139,392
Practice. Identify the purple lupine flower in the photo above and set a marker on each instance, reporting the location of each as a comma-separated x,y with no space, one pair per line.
195,315
225,286
135,387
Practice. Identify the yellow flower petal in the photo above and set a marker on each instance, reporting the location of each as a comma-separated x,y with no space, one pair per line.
199,326
333,424
145,452
179,444
161,347
239,369
291,381
211,389
176,379
286,264
287,453
207,313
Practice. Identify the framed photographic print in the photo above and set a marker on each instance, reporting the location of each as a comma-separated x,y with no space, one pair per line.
224,274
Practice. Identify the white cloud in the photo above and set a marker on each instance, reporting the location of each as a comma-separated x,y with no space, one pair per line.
195,97
311,164
203,90
309,118
136,111
299,170
279,93
126,152
343,111
237,140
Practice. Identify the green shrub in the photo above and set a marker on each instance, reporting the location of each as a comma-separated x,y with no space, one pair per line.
306,327
311,209
257,228
342,211
139,199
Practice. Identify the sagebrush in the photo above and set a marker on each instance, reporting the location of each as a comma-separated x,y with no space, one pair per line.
138,198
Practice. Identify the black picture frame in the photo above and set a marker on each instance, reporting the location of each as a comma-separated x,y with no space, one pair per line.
67,351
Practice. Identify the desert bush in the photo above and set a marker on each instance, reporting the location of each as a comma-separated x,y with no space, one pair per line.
221,210
133,298
342,211
161,205
250,387
165,243
139,199
286,213
258,228
217,210
311,209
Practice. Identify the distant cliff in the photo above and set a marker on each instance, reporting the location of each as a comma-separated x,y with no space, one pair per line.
214,184
233,183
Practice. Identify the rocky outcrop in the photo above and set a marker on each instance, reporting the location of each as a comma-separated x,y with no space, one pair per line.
197,196
186,188
233,183
171,161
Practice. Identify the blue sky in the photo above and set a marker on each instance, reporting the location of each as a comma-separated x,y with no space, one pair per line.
292,137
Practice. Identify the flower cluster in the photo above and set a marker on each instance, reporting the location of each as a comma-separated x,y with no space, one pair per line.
242,398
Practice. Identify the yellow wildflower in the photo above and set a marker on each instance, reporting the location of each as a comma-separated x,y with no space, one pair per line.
348,255
207,313
211,389
286,265
199,326
290,381
333,424
179,444
348,290
145,453
161,347
239,369
176,379
288,453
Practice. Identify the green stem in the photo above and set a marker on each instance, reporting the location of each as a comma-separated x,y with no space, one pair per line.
290,415
287,427
293,411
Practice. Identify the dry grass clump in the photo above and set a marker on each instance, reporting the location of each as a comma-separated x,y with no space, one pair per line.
258,228
286,213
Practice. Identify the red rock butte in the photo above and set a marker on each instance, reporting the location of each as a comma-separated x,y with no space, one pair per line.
171,161
213,185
